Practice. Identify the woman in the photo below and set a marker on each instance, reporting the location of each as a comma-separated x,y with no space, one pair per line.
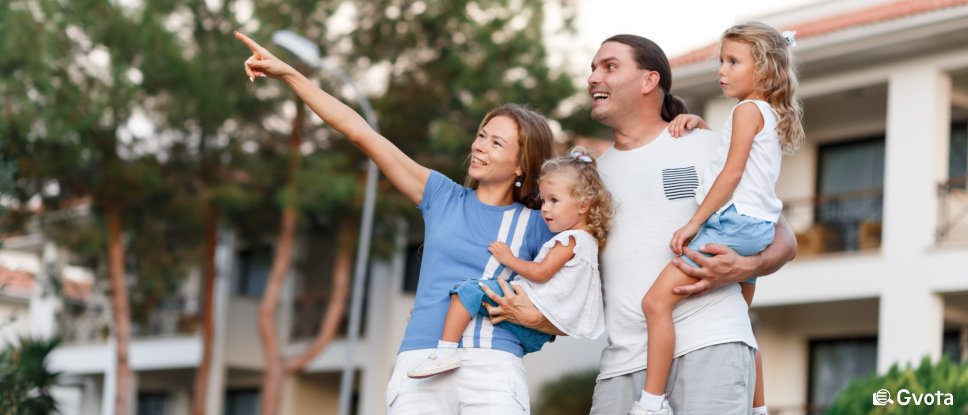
460,221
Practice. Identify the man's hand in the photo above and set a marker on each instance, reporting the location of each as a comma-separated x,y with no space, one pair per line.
725,266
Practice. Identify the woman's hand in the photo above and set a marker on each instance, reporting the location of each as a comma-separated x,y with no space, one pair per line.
683,123
501,251
262,63
514,306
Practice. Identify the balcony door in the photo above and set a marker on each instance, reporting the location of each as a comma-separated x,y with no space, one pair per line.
850,192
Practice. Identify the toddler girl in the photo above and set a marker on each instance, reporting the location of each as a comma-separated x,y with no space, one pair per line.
563,282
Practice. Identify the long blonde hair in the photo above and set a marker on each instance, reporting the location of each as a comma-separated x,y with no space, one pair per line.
775,79
588,187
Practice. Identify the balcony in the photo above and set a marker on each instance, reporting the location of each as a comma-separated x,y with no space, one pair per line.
90,320
308,312
842,222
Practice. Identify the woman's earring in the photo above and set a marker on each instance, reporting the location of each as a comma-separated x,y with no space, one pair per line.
517,183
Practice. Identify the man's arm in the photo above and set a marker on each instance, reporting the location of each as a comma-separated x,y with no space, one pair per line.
517,308
726,266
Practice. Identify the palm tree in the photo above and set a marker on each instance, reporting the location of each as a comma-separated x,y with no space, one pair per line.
25,381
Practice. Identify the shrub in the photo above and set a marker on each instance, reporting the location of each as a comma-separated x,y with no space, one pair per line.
572,394
944,377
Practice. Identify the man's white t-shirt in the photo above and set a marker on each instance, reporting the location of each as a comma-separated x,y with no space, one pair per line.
653,187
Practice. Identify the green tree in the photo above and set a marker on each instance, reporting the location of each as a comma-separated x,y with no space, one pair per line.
76,69
571,394
928,378
25,381
200,101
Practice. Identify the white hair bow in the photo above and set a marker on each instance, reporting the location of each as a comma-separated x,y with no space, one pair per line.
791,38
580,156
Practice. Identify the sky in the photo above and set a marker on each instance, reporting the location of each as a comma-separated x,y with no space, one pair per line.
678,26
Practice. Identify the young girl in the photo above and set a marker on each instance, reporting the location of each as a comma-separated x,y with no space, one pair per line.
738,207
563,281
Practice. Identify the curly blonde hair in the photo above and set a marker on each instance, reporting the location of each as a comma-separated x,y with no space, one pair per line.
775,78
588,187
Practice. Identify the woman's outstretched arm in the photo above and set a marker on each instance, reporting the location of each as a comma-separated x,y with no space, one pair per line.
406,174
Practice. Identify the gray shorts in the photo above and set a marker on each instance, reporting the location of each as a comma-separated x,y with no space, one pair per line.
718,379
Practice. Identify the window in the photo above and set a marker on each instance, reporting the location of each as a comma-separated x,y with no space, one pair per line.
152,403
850,189
951,346
241,402
411,272
834,363
253,271
958,155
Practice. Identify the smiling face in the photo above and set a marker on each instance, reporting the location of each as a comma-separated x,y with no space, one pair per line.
494,154
560,209
615,81
737,70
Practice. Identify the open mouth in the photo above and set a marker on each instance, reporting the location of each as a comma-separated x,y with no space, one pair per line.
599,96
477,162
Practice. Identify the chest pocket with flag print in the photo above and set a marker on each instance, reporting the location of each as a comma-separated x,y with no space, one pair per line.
680,183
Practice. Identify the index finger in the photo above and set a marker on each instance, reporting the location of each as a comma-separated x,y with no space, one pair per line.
686,268
508,291
702,260
691,289
491,294
257,49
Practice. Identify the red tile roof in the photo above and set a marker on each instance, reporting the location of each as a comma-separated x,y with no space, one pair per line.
77,290
22,282
16,281
874,14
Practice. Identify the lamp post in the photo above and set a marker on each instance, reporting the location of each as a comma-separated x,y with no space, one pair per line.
308,52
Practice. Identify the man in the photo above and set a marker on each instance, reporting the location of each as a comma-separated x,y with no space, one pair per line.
652,177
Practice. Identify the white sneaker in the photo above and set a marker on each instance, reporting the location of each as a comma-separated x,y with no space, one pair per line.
433,366
638,410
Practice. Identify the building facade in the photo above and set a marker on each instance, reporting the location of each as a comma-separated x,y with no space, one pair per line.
876,195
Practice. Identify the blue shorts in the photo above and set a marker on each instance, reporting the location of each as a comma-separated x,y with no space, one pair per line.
744,234
471,295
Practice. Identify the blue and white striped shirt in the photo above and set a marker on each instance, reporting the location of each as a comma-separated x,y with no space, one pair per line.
458,229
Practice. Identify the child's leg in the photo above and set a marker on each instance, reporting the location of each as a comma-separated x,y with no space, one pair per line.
657,305
759,396
456,321
748,290
445,358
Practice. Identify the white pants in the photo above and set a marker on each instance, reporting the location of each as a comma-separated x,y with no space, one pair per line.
489,382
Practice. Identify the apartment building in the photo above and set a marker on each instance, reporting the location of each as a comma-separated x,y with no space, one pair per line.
876,195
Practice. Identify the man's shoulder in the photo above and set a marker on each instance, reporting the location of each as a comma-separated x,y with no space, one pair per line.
699,136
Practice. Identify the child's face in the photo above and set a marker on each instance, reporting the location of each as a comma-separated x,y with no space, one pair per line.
737,71
559,208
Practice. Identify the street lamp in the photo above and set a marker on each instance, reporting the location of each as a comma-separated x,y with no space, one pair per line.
308,52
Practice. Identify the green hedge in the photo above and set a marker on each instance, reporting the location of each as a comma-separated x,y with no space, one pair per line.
569,395
944,377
